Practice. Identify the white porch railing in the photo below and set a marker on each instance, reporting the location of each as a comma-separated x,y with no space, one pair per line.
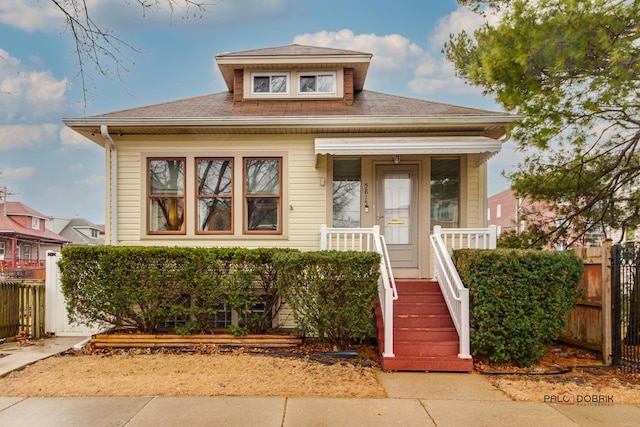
368,240
444,241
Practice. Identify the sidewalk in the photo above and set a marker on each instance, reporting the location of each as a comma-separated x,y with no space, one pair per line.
414,399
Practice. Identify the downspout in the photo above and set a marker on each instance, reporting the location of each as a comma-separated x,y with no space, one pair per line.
113,173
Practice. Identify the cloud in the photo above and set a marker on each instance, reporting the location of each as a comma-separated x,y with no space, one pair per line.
90,181
393,56
20,137
31,16
28,94
17,174
392,53
73,140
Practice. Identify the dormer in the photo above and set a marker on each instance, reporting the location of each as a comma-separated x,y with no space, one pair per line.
294,72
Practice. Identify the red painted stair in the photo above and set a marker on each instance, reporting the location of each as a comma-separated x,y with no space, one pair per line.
424,336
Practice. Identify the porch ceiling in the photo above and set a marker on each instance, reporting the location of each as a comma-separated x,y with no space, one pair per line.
482,146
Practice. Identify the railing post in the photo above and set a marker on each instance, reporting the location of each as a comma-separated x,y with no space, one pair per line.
465,338
493,237
323,237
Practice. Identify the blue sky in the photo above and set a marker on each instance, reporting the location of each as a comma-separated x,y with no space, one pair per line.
59,173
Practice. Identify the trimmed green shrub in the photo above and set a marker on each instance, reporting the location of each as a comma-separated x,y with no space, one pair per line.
519,300
332,294
141,287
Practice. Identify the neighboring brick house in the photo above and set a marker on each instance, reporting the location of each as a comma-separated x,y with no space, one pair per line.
508,212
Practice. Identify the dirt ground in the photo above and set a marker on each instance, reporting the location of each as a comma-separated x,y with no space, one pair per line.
206,371
565,370
216,371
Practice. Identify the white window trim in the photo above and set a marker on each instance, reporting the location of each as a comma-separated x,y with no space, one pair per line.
35,223
287,91
316,74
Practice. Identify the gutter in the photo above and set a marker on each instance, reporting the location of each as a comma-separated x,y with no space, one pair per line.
113,168
254,121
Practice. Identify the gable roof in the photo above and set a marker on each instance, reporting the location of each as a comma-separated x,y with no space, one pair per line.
10,228
76,237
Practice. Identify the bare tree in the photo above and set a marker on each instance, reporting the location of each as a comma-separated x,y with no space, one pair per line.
100,47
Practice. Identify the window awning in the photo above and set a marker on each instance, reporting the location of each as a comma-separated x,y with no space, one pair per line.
484,147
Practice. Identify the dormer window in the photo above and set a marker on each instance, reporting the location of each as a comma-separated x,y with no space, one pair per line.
270,84
317,83
35,223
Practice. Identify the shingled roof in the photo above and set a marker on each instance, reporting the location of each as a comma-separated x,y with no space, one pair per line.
11,228
366,104
219,113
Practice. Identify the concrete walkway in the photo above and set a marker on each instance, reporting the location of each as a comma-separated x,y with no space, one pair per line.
414,399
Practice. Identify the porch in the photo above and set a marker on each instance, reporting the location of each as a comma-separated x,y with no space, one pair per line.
422,324
22,269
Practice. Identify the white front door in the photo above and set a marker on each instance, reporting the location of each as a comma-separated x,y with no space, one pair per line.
397,212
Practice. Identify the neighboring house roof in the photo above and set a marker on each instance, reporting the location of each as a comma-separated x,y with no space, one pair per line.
9,227
75,232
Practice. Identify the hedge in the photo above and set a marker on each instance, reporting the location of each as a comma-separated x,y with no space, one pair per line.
332,293
519,300
141,287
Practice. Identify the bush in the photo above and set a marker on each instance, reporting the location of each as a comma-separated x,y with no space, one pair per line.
332,294
141,287
519,300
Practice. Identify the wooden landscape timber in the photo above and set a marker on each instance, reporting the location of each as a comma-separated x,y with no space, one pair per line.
117,340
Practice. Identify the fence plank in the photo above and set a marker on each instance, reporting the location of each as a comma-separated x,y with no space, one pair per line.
22,308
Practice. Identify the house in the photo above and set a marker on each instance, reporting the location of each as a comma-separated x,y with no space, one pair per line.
295,142
78,231
24,241
514,214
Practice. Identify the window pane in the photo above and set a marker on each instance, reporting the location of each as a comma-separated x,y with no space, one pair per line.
346,192
325,83
214,214
262,176
261,84
307,83
166,214
263,214
214,177
279,84
166,176
445,192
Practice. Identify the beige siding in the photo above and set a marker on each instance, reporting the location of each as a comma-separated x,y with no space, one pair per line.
475,193
303,198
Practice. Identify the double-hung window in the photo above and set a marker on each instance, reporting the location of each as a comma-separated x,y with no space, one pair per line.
215,195
266,84
262,195
166,195
317,83
220,203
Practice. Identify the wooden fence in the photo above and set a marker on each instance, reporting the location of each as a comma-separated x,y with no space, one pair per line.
22,308
589,323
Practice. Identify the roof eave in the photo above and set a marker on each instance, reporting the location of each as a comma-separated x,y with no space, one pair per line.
257,121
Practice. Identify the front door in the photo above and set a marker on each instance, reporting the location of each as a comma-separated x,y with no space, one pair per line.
397,212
